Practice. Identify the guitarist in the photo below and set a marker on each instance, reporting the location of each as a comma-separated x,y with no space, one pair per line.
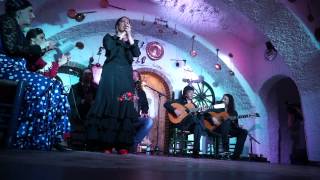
191,122
231,127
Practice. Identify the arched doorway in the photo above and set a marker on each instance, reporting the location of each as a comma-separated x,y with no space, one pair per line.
154,81
285,121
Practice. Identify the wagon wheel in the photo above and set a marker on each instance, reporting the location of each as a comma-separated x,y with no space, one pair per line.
203,94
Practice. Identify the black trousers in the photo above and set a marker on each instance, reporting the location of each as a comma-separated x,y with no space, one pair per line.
227,129
193,124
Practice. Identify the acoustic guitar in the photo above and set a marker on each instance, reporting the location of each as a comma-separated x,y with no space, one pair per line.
218,118
185,109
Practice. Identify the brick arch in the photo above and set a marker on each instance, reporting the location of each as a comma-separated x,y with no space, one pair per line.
160,75
168,91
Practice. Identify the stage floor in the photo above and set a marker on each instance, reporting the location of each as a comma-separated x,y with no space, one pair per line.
34,165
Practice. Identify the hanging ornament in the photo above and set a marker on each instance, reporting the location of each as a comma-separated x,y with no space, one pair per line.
143,23
193,52
79,17
270,53
175,32
79,45
217,65
71,13
106,4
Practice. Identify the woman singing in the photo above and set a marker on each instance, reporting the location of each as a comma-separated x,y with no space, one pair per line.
110,120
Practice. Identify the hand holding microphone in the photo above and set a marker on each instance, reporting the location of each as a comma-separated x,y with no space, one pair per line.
127,29
128,33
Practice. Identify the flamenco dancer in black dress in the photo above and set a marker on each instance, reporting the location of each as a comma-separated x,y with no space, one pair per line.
111,118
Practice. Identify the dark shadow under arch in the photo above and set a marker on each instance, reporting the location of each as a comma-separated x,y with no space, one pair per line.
285,120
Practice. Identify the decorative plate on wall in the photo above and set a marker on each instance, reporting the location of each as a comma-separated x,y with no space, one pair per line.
154,50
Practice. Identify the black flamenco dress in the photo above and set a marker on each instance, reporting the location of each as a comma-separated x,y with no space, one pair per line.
111,118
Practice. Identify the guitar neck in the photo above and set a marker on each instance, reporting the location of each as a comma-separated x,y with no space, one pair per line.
197,109
247,116
243,116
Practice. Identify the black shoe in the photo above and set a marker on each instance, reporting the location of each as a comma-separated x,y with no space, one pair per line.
196,155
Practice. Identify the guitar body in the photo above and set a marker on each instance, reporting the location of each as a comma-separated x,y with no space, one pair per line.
216,118
183,108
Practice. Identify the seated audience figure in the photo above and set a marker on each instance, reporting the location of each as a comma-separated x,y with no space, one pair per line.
43,120
81,97
144,123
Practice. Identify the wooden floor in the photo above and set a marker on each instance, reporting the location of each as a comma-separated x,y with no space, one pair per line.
34,165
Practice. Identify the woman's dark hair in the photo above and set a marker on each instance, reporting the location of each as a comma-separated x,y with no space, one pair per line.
12,6
231,105
138,83
83,72
33,33
118,22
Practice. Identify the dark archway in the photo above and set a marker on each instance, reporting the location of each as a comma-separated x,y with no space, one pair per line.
285,121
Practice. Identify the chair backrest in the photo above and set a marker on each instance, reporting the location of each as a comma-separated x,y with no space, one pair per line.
11,98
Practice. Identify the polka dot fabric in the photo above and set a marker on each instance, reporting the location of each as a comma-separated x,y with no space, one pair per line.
44,114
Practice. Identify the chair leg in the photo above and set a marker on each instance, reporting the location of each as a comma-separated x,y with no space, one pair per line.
175,141
217,143
12,126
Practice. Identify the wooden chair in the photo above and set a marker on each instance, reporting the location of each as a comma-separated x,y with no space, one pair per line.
11,98
179,143
214,148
